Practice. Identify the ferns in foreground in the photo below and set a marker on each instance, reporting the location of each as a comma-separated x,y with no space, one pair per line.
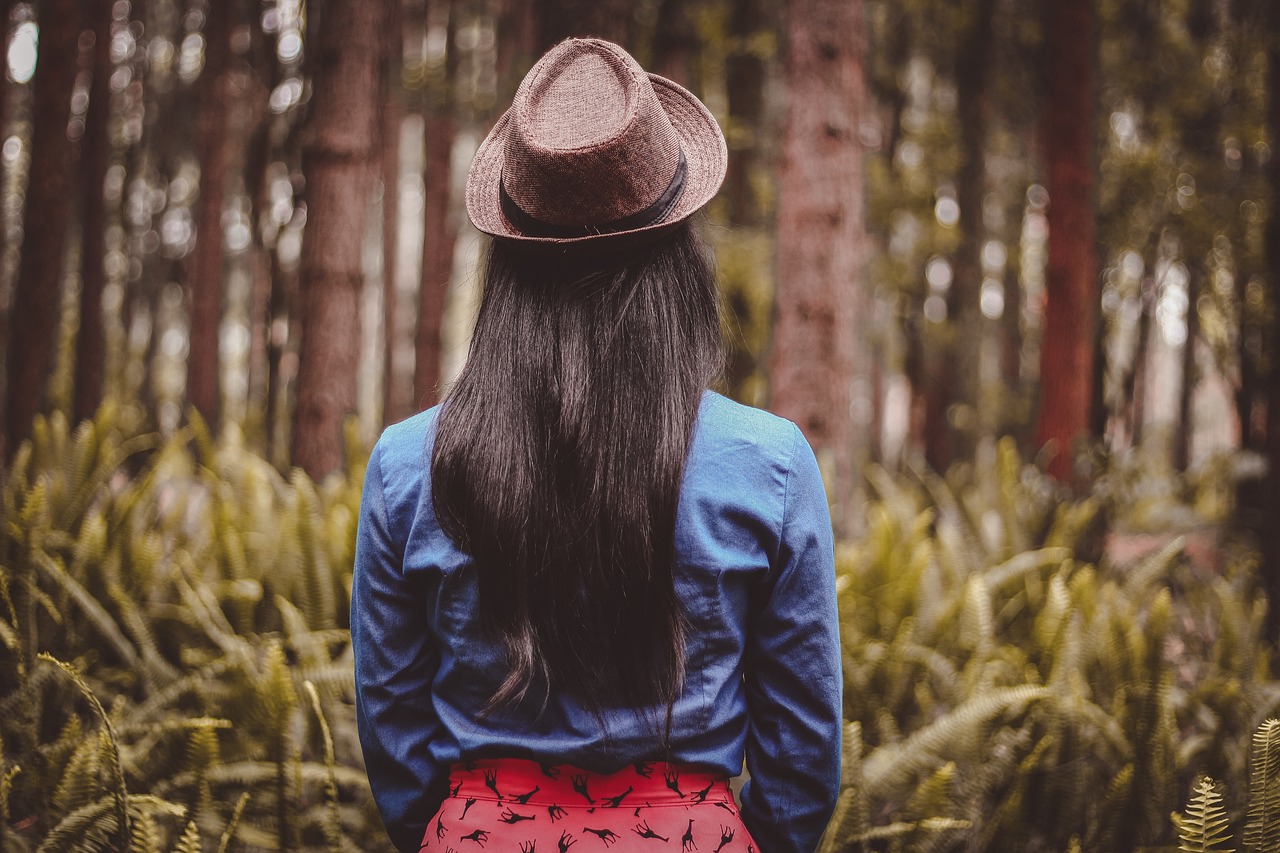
156,568
1045,703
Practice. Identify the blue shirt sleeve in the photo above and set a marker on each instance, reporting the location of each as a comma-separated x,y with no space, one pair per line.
792,675
395,663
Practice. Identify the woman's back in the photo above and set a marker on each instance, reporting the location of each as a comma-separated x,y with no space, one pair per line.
753,574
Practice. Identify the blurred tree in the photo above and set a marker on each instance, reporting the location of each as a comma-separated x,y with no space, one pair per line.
95,158
33,319
1071,277
1269,529
339,151
396,404
820,237
439,231
264,270
557,20
215,142
674,40
6,23
973,62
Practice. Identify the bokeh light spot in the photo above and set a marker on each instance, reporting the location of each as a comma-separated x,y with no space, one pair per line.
24,47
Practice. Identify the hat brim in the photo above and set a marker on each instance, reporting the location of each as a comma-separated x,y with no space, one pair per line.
706,156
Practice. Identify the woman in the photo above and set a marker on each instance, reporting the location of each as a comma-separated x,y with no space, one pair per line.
586,586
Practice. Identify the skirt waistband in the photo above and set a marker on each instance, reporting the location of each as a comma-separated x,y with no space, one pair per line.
519,780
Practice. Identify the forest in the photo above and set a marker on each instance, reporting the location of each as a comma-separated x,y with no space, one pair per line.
1013,266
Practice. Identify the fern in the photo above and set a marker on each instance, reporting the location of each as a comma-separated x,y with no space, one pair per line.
893,766
190,840
1262,831
224,843
333,822
1203,827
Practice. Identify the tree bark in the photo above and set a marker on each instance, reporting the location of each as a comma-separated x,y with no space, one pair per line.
964,382
33,321
1270,531
1071,274
820,237
6,20
338,160
560,19
396,390
215,143
95,158
439,232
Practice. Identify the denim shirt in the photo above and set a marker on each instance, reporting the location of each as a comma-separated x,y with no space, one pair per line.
754,573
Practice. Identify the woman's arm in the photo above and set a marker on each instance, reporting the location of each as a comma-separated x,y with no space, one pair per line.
395,663
793,679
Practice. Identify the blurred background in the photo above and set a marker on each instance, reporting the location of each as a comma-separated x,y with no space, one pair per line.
1012,266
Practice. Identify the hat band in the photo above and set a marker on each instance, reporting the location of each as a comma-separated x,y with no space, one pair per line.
531,226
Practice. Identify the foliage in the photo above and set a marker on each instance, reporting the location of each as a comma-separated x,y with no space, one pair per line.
1007,690
204,598
178,669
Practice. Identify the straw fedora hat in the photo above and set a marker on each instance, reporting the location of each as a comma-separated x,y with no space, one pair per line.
594,149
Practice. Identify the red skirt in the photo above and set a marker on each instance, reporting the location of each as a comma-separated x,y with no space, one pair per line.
521,806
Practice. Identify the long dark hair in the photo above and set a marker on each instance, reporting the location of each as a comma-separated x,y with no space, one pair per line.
558,460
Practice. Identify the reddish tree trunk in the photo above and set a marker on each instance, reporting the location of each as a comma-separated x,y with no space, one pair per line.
437,259
338,160
820,235
258,151
33,321
674,42
95,158
515,26
439,233
1270,531
1071,275
6,17
560,19
963,382
215,145
396,391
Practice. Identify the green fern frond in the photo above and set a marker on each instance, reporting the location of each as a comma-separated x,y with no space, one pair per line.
6,787
80,781
143,835
89,605
190,840
892,766
1152,568
1262,831
1203,827
111,746
224,843
333,821
1019,565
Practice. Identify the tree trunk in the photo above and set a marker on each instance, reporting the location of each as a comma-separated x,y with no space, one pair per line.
396,402
33,321
973,59
820,237
6,21
439,233
1185,428
514,25
744,84
338,160
1071,274
95,158
1270,531
560,19
215,144
674,41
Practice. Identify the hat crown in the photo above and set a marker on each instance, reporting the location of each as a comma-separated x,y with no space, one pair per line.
589,143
